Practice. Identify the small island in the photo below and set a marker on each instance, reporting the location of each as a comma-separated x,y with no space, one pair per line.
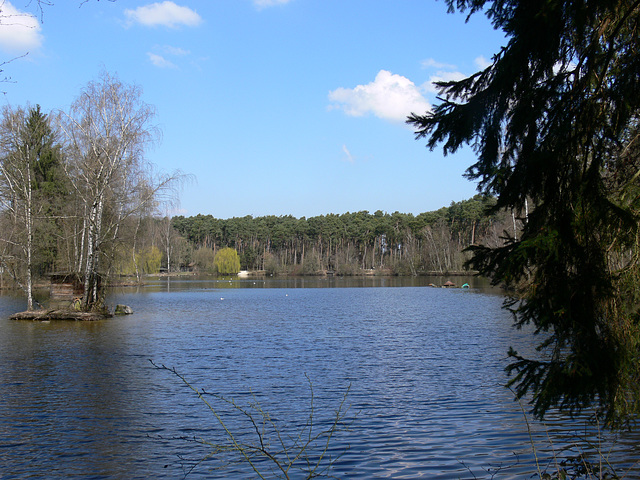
66,292
60,314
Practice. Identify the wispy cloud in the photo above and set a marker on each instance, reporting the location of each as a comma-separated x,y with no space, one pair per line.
431,63
441,76
348,157
446,72
166,14
19,31
389,97
175,51
482,62
169,56
160,61
269,3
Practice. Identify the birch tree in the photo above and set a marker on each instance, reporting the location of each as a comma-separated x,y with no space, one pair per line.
109,128
168,238
16,197
27,142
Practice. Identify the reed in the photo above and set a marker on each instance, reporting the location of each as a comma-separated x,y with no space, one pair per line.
268,446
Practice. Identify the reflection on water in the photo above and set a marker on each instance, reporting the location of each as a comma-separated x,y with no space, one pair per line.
425,367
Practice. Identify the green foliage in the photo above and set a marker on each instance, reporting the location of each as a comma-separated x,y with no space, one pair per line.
227,261
49,178
248,259
150,260
351,242
203,258
311,265
555,122
271,264
403,268
39,145
123,262
46,256
71,209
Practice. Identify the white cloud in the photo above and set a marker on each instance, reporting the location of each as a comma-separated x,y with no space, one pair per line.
269,3
482,62
390,97
160,61
19,31
166,13
442,76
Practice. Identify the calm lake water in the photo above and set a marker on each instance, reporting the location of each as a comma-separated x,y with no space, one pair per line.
424,369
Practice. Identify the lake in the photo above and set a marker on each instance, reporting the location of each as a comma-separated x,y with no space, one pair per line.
423,368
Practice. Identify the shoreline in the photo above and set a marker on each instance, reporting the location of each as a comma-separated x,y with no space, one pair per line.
48,315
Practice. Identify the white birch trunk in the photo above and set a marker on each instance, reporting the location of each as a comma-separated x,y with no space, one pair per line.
88,269
29,225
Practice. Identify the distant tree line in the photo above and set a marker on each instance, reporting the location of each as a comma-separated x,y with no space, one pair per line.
350,243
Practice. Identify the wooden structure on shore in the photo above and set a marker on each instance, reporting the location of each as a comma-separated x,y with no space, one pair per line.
64,288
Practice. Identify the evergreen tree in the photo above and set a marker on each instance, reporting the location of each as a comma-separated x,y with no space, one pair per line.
50,187
555,121
28,157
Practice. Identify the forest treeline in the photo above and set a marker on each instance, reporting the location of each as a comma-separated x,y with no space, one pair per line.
349,243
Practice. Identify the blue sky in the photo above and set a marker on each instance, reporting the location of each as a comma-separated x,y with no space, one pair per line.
276,107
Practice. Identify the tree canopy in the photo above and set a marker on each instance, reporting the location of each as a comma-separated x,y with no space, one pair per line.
349,243
227,261
554,121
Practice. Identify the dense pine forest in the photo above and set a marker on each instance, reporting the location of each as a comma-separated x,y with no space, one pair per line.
346,244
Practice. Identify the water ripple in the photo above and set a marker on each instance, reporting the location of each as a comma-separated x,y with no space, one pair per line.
425,369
